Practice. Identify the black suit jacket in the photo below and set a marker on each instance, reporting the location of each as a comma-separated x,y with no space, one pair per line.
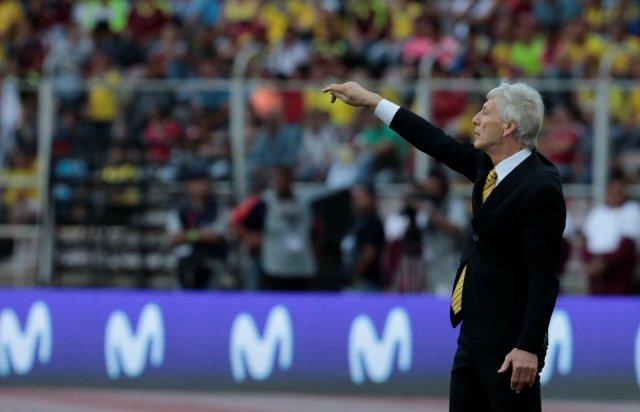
511,286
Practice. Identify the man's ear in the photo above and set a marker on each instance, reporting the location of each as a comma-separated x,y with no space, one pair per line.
509,128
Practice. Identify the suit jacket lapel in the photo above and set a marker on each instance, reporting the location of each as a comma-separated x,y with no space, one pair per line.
505,186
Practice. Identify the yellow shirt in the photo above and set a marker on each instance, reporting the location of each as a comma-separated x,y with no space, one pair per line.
13,195
587,101
500,55
238,11
402,19
339,112
103,98
597,17
627,48
276,19
593,47
633,105
10,15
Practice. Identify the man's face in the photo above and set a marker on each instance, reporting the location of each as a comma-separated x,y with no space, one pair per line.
615,193
198,188
489,128
434,187
362,200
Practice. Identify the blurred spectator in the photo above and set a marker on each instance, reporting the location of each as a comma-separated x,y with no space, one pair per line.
553,14
404,263
383,152
11,17
65,63
503,35
240,18
284,236
168,54
10,115
49,14
90,13
447,105
196,230
597,14
626,135
29,49
20,206
147,17
121,177
246,223
428,40
22,203
367,23
403,15
102,104
196,13
625,46
343,170
611,233
72,137
276,144
443,219
279,17
473,59
582,49
26,132
364,244
527,49
214,102
317,149
160,133
266,101
467,13
562,141
288,56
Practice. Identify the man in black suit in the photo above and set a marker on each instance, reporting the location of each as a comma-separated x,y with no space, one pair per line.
506,286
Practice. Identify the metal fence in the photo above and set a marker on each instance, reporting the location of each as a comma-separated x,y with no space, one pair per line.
56,223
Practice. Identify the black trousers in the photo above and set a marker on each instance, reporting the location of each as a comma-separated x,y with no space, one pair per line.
477,386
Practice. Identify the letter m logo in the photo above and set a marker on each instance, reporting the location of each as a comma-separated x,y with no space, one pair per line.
374,358
19,349
126,352
256,355
560,352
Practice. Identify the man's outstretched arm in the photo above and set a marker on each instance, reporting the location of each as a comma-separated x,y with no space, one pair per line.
461,157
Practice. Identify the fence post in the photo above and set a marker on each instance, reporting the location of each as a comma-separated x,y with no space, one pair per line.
46,113
601,129
423,97
237,119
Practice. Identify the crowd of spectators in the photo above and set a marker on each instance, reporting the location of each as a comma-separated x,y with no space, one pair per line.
110,136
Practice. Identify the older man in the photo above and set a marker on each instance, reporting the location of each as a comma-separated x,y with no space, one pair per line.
506,284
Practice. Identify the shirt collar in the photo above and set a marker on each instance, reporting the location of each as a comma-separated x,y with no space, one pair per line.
507,165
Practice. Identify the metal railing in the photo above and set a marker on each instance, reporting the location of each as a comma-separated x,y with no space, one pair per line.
239,88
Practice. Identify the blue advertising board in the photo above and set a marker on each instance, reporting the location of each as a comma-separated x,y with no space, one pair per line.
307,342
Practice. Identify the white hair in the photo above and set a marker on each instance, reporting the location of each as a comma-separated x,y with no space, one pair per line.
522,105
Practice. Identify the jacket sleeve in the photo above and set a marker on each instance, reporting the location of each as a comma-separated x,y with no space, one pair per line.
545,217
463,158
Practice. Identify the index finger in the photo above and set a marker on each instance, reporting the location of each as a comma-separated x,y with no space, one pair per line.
331,88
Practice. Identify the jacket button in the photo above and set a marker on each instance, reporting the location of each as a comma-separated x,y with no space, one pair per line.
475,237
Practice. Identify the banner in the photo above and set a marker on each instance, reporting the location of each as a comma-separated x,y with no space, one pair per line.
347,343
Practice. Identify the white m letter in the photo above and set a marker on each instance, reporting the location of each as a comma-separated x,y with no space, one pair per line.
374,357
638,356
560,346
127,352
249,352
18,349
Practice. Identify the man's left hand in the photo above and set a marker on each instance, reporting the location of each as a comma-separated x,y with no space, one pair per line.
524,368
